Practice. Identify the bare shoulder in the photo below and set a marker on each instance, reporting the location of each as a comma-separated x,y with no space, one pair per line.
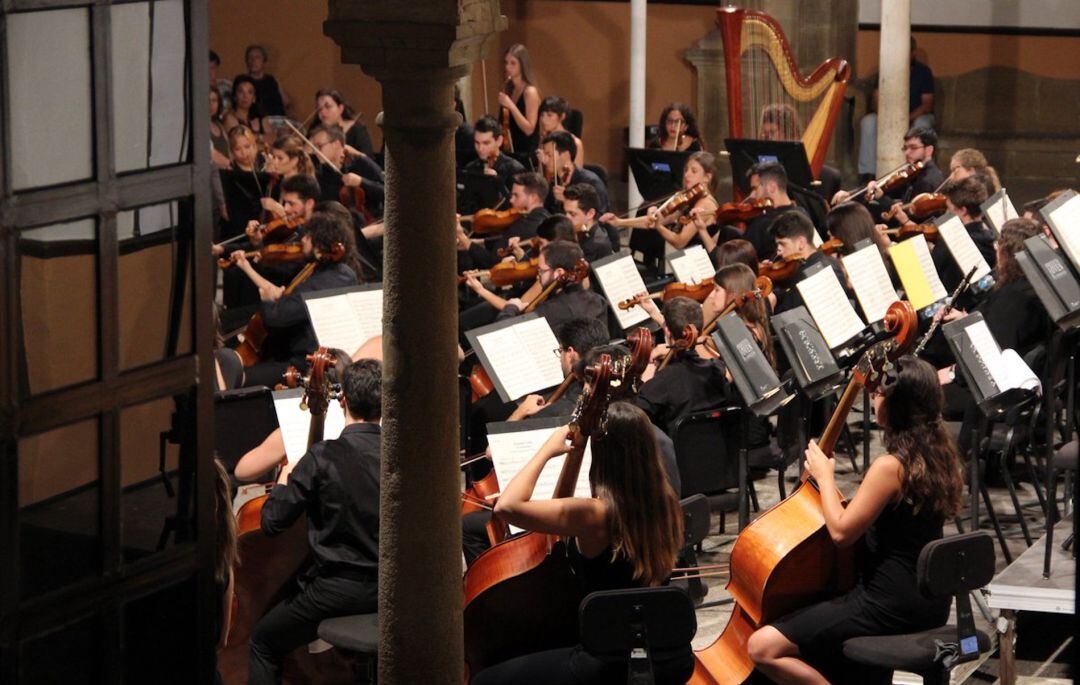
885,474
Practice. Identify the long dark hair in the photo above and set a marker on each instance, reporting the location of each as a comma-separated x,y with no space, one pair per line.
690,129
327,228
228,556
644,517
254,112
737,279
1009,242
851,223
932,476
348,114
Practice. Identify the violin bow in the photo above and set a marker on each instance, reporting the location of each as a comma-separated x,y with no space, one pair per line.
316,150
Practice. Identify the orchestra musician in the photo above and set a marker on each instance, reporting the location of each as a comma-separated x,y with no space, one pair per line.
780,121
351,170
291,337
677,130
333,110
556,155
963,198
793,234
627,534
968,162
581,203
490,161
527,194
901,505
520,99
768,180
288,158
553,113
920,144
337,483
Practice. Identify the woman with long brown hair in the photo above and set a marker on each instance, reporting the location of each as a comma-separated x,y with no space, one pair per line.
521,99
677,130
902,504
967,162
627,534
730,282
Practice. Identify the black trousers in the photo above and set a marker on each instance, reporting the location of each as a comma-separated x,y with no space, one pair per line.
295,621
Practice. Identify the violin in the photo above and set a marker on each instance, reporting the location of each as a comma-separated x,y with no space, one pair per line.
507,273
695,291
782,271
530,244
522,595
921,206
493,221
785,559
504,120
567,278
739,212
910,230
278,253
832,246
681,201
896,178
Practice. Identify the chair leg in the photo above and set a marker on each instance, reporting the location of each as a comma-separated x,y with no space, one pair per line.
1036,481
992,515
752,491
1003,464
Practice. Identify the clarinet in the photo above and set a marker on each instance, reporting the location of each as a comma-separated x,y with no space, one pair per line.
948,308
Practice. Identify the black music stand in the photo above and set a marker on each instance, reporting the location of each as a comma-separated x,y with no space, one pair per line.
657,172
791,154
816,370
476,190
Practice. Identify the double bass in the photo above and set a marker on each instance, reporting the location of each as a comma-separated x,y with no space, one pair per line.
785,559
268,564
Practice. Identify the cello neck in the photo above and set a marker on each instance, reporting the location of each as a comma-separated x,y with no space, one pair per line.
568,476
829,436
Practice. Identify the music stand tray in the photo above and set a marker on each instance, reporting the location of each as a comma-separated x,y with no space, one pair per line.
657,172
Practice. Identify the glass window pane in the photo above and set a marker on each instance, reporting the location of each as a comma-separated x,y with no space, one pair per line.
150,124
148,247
72,654
58,299
48,71
59,493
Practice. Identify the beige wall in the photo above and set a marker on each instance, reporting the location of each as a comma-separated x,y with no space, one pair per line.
580,51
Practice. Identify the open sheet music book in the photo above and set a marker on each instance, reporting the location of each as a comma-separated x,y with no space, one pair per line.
993,370
691,265
962,247
915,266
998,209
295,422
870,281
519,354
346,318
514,443
1063,217
620,280
830,308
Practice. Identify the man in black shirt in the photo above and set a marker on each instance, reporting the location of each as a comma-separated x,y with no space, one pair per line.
490,161
793,234
355,171
920,144
272,100
963,198
689,383
526,195
290,337
557,152
768,180
581,205
336,483
573,301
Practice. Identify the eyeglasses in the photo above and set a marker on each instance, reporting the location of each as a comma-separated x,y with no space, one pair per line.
912,148
673,121
558,351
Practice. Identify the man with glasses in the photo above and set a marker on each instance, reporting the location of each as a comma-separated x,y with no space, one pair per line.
351,171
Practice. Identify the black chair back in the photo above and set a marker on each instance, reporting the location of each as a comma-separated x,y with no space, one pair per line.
695,529
955,566
574,122
707,450
599,170
242,419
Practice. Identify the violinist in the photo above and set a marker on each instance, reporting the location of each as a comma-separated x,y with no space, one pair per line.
968,162
337,484
285,316
901,505
556,154
519,100
490,161
332,110
528,192
793,234
768,180
677,130
963,198
581,204
244,148
351,171
700,168
626,535
573,301
919,146
553,113
690,382
288,158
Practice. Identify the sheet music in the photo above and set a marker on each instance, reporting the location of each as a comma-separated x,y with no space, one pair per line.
692,265
295,422
986,348
829,306
346,320
1065,223
962,248
523,356
870,280
915,266
511,451
1000,211
621,281
367,305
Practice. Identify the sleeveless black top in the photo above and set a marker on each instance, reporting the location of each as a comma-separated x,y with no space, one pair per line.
602,572
523,143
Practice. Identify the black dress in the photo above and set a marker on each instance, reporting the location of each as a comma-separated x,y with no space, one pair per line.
524,144
885,600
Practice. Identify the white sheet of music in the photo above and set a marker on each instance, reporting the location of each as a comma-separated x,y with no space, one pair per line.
523,356
829,306
510,452
982,341
1067,221
870,280
693,265
368,308
335,323
621,281
296,422
998,213
963,248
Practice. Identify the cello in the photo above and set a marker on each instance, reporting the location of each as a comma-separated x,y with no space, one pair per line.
785,559
522,596
268,564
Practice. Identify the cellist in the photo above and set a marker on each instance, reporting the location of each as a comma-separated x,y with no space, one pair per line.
291,338
901,505
627,534
337,483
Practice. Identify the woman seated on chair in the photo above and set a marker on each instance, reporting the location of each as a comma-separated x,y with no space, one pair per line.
901,505
626,535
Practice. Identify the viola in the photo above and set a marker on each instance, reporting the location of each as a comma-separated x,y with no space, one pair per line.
782,271
567,278
785,559
508,273
925,204
278,253
353,197
492,220
695,291
522,595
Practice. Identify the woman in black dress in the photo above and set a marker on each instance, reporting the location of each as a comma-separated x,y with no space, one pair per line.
900,506
626,535
521,99
677,130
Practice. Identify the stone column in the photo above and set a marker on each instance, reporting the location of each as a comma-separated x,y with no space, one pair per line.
894,81
637,88
417,50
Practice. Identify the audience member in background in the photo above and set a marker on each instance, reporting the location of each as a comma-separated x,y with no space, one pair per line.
246,110
272,99
223,85
219,140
